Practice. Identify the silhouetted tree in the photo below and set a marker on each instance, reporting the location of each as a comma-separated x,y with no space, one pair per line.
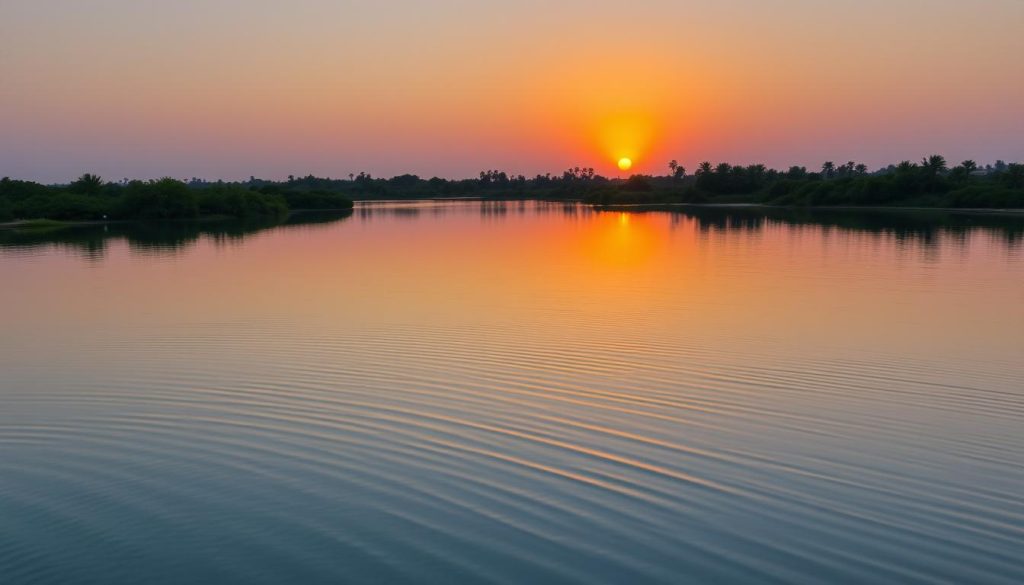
87,184
677,172
1013,176
796,173
933,165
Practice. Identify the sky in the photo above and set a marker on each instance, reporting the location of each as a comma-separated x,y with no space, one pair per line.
233,88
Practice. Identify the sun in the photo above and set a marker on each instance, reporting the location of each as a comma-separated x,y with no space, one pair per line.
625,164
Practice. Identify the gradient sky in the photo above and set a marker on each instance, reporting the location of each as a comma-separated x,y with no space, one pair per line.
232,88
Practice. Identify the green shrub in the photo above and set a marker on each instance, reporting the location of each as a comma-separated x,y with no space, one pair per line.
6,210
316,200
237,201
163,199
61,205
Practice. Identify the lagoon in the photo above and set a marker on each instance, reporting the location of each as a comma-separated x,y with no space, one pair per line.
516,392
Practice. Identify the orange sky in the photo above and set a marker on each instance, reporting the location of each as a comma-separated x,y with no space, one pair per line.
232,88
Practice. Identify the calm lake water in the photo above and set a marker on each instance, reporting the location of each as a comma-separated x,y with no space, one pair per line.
463,392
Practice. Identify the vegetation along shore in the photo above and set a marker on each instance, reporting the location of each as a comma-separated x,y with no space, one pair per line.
929,183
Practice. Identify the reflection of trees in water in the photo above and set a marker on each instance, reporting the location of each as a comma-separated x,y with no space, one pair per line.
368,212
156,238
493,209
485,208
568,209
925,228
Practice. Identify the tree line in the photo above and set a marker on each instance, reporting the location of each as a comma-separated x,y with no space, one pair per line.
932,182
91,198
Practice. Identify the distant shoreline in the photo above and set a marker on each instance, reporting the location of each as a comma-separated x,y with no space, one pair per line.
930,184
671,206
44,224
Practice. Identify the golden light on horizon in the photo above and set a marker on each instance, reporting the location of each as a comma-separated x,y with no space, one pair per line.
625,164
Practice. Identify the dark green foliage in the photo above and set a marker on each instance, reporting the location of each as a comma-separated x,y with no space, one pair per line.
27,200
726,179
1013,177
88,198
403,181
87,184
637,183
15,191
62,205
237,201
318,199
985,196
909,184
929,183
163,199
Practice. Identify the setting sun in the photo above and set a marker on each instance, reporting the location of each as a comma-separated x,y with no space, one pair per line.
625,164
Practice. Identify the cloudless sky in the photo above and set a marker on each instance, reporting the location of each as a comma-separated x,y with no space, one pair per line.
232,88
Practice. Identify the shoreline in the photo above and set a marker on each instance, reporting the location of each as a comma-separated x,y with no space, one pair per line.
43,223
903,209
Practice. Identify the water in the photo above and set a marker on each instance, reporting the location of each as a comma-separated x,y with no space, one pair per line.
515,393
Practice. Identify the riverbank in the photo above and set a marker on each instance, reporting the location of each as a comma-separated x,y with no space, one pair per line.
872,208
54,224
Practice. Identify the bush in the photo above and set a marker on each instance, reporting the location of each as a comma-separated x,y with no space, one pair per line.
990,196
637,183
237,201
6,210
61,205
163,199
316,200
15,191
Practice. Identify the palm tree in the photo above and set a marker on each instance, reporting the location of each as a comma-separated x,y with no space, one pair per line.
828,169
704,168
934,164
87,184
970,166
678,172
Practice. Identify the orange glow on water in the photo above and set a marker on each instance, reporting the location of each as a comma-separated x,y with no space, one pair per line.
586,264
